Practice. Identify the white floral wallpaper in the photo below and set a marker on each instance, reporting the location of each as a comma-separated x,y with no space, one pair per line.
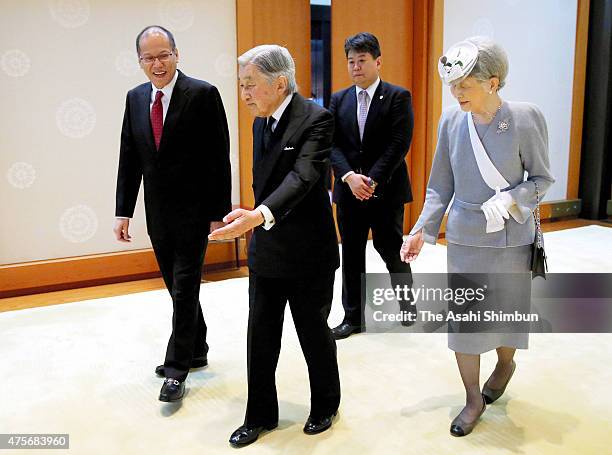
65,68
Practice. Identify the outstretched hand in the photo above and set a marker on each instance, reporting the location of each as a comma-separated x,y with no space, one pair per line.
238,222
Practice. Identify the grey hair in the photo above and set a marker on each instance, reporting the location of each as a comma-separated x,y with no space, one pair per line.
273,61
492,60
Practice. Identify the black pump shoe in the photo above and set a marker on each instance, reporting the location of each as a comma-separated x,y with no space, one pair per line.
460,427
490,395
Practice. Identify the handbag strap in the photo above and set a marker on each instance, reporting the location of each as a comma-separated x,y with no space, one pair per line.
536,217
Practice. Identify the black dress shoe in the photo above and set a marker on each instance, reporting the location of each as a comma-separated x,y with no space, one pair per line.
345,330
315,426
172,390
197,362
409,314
408,321
246,434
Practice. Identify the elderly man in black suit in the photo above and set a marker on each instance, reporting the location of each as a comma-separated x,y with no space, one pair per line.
175,138
293,253
373,132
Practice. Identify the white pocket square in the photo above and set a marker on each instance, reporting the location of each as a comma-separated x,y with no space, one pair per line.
289,148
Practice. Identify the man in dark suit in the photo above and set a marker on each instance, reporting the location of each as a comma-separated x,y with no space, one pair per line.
294,255
373,132
175,138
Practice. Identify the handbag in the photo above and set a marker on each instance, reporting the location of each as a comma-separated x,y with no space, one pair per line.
539,267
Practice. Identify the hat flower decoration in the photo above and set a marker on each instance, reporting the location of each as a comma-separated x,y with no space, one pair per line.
457,62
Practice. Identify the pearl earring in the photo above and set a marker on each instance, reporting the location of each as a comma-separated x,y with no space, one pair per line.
490,92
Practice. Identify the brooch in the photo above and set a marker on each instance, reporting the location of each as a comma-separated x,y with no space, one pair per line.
503,126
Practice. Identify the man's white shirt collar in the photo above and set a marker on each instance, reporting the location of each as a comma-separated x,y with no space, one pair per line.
371,89
278,113
167,90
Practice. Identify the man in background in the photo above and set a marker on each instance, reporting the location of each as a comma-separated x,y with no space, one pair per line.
175,138
373,132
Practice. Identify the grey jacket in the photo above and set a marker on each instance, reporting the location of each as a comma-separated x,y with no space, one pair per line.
522,146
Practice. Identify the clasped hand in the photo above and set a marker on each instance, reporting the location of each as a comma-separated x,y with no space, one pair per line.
496,210
360,186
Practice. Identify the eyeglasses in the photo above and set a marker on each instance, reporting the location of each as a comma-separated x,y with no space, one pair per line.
163,58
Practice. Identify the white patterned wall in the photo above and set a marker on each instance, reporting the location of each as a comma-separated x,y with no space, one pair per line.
65,68
539,37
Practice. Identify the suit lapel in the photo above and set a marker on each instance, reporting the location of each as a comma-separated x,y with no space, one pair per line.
259,157
493,125
375,105
296,113
293,115
258,131
145,106
180,96
350,113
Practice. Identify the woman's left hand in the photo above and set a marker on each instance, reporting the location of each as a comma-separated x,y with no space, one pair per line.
412,247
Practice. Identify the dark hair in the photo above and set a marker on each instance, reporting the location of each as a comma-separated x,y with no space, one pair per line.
362,42
157,28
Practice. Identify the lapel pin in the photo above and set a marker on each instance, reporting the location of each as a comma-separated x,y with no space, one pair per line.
381,97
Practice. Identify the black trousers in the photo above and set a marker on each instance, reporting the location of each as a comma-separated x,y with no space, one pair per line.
355,219
310,300
180,260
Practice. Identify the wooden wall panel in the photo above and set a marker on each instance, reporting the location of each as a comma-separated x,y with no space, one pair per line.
582,34
429,28
434,88
68,273
283,22
390,21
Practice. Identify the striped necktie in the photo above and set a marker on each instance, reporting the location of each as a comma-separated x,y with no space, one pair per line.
364,100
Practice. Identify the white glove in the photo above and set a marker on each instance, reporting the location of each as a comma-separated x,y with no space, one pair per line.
496,210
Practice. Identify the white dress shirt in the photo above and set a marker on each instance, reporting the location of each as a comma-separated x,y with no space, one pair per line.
167,91
274,118
371,90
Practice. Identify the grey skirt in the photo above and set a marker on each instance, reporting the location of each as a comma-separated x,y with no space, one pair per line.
473,259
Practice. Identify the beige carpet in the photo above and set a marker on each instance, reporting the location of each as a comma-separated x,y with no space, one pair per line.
86,369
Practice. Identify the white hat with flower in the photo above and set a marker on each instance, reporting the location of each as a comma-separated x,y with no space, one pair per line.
457,62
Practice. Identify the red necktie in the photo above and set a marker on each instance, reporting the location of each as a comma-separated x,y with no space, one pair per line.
157,118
